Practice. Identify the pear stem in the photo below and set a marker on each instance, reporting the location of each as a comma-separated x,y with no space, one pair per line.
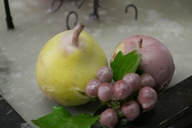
77,30
140,43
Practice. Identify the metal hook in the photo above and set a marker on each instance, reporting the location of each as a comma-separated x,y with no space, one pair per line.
136,11
56,9
67,20
81,3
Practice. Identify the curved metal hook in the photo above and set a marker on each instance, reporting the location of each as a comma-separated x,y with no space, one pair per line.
133,6
67,20
59,6
81,3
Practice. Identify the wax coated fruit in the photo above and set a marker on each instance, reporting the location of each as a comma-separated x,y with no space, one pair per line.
156,60
65,65
109,118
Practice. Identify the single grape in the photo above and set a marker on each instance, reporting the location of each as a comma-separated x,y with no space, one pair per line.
122,90
147,80
109,118
133,79
92,87
131,110
105,74
147,97
105,92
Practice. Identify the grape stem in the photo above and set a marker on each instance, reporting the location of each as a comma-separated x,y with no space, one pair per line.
77,31
140,43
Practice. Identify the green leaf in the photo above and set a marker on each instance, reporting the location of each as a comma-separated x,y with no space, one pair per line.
123,64
61,118
52,119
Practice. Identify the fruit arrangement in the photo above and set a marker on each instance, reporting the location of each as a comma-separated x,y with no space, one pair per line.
72,70
135,86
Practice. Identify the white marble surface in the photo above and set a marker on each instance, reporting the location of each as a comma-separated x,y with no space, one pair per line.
168,21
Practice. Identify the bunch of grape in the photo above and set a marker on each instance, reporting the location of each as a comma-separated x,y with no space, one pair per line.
125,98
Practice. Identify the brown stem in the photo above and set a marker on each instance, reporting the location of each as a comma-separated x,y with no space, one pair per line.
140,43
77,30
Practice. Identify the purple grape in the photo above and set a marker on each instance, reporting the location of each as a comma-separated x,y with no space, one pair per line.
122,90
147,97
92,87
105,74
147,80
109,118
105,92
131,110
133,79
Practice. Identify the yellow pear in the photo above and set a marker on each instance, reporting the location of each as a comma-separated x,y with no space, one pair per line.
66,63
